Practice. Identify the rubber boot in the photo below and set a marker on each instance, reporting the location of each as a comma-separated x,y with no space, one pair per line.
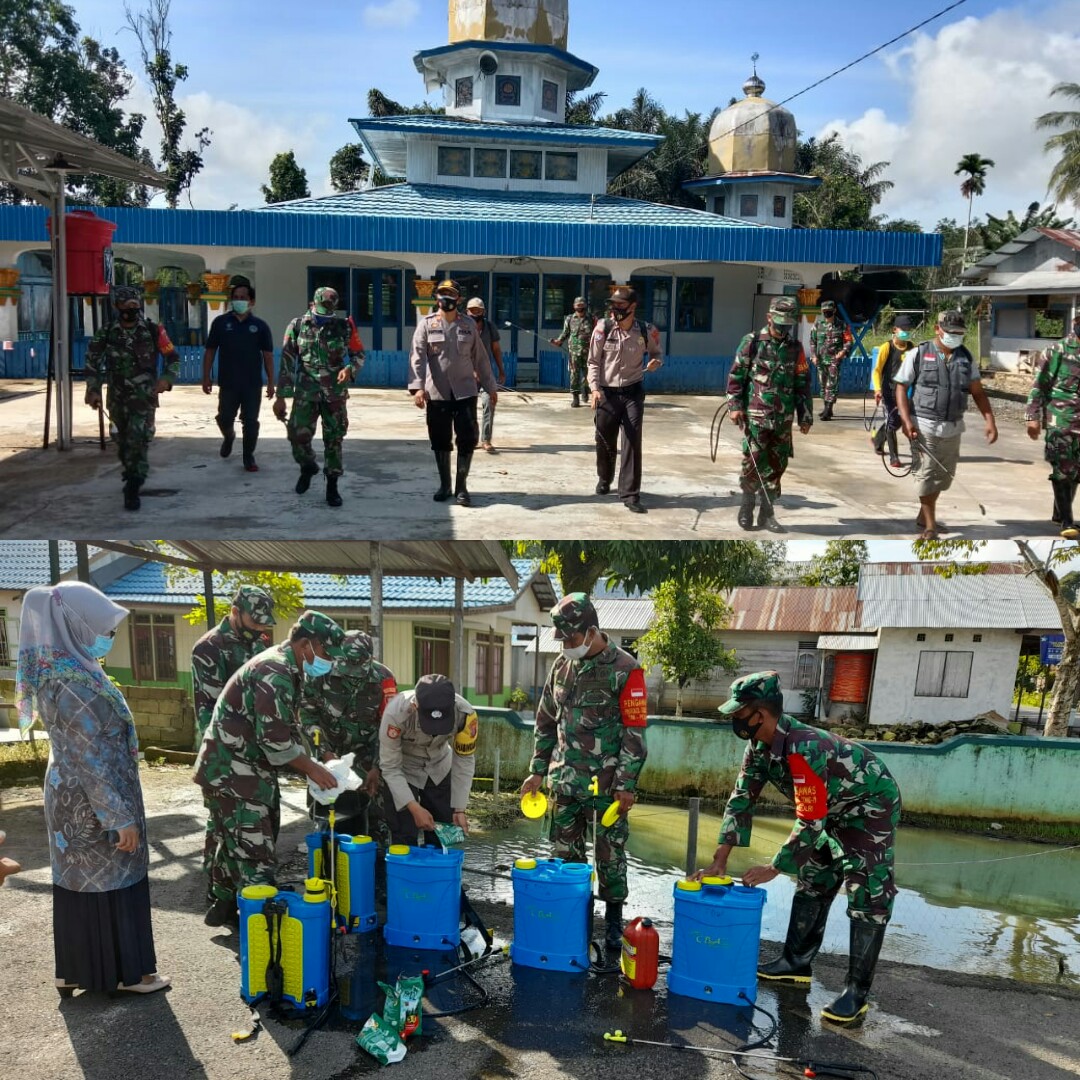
442,461
613,925
746,511
131,495
222,913
1063,498
461,492
228,438
806,931
575,401
866,939
332,496
251,438
767,517
826,412
307,471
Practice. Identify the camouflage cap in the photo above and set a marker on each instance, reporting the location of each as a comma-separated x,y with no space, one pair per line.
325,300
761,686
952,320
256,602
579,301
573,614
356,658
317,625
122,294
435,696
784,310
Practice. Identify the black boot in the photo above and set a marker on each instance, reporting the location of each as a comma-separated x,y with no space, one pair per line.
866,939
575,402
826,412
806,931
1063,500
613,925
767,517
332,496
228,438
251,437
746,511
307,471
461,492
131,495
222,913
442,460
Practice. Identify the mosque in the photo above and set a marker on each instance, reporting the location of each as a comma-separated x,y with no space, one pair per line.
506,197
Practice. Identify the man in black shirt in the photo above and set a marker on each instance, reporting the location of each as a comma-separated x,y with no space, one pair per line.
244,348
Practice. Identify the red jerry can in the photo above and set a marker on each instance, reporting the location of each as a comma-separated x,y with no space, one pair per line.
640,957
89,253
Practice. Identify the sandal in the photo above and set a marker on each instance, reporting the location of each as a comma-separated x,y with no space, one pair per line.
66,989
928,534
159,982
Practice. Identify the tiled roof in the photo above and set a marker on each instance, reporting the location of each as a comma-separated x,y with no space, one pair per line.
456,126
25,563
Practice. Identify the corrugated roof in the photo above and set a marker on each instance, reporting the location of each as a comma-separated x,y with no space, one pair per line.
910,595
1066,282
848,642
25,563
794,608
634,615
1068,237
477,129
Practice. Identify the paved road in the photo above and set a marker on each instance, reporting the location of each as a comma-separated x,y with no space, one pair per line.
542,478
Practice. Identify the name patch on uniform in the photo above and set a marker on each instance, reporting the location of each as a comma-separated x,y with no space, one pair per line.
465,743
634,700
811,803
436,337
393,732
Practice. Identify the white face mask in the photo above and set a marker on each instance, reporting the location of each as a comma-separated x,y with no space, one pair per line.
952,341
579,652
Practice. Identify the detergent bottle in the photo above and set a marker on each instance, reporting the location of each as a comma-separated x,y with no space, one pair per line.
640,959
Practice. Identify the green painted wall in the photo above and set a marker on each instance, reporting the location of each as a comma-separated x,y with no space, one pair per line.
126,677
972,776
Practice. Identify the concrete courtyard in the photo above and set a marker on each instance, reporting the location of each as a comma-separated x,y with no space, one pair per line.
540,483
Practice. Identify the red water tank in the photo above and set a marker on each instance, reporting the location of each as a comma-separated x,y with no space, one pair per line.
89,253
640,958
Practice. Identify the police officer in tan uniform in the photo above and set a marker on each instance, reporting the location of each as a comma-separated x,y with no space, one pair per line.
617,366
427,747
447,360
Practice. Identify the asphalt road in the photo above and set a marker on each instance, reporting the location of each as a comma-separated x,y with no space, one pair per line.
925,1024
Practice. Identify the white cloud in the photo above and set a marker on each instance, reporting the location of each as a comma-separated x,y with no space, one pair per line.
392,13
975,87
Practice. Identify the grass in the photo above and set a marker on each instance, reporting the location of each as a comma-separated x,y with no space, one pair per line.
23,761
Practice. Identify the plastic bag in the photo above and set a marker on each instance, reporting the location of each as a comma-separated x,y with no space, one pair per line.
410,991
342,768
449,834
381,1040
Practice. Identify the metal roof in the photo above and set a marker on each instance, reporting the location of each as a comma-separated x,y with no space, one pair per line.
25,563
758,175
848,642
1058,282
1070,238
581,73
914,595
793,608
405,218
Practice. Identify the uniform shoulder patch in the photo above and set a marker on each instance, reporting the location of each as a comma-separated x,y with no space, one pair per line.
393,731
465,741
634,700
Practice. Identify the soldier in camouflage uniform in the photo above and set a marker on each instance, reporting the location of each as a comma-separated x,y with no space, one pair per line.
123,356
253,734
1054,405
345,709
847,808
830,346
321,354
591,723
769,383
577,331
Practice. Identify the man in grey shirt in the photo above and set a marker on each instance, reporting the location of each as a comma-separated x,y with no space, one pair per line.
447,361
489,335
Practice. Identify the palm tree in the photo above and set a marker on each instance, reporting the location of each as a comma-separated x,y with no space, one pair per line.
974,167
1065,177
583,110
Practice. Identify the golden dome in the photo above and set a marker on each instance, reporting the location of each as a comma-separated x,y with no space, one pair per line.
753,135
526,22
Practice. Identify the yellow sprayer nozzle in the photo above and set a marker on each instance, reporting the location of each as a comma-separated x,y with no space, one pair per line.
615,1036
594,786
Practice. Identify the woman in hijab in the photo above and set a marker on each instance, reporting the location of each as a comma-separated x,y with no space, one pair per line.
93,800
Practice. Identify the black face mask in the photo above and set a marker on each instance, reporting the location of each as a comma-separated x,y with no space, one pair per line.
128,316
743,729
248,635
447,303
620,313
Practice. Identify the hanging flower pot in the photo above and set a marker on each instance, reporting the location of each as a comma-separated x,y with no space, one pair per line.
216,283
9,278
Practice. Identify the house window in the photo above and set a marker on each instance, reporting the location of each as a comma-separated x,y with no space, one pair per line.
654,300
455,161
719,204
360,622
463,92
693,309
976,638
597,291
525,164
948,637
550,97
431,651
560,166
387,296
806,669
943,674
560,290
748,205
920,637
153,648
779,206
508,90
489,664
490,164
5,644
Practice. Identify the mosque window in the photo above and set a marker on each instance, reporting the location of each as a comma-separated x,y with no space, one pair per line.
748,206
560,290
455,161
525,164
463,92
779,206
549,101
694,304
720,204
508,90
560,166
489,163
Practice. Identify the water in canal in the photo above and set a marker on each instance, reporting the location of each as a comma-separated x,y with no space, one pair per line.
966,903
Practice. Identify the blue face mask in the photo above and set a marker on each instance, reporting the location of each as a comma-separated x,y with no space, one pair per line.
317,667
322,320
102,644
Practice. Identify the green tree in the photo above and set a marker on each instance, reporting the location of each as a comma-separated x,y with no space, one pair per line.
286,589
1065,175
380,105
154,35
683,637
849,190
1065,592
839,565
679,158
287,180
974,168
583,110
997,232
349,170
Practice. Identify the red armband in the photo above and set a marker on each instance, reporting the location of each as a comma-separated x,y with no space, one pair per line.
634,701
389,690
811,803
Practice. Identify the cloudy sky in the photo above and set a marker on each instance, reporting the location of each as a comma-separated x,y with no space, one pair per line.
277,75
